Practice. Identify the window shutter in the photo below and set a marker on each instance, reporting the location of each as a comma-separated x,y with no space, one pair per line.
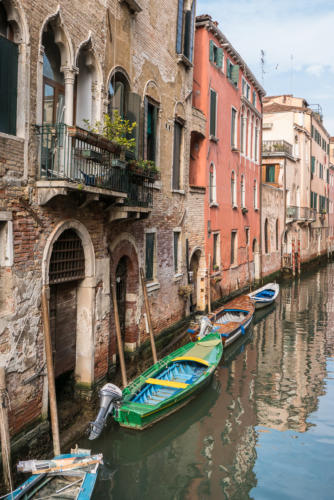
235,74
220,57
8,85
133,115
154,132
187,25
176,155
192,32
312,164
179,28
144,128
211,51
228,68
213,102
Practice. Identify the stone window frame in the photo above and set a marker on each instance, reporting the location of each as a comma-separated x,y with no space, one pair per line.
154,283
6,239
177,266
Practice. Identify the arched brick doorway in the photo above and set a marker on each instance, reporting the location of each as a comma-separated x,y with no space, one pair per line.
124,275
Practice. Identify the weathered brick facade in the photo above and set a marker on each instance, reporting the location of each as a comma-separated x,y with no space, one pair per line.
35,212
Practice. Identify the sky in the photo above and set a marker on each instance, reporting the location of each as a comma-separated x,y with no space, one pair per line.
297,37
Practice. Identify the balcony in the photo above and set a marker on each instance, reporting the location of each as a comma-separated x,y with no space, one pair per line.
76,162
276,148
301,214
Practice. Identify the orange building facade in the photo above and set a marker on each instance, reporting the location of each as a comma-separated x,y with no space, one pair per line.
227,160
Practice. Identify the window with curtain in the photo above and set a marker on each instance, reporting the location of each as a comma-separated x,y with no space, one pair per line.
53,80
212,184
233,190
234,128
233,247
151,118
270,173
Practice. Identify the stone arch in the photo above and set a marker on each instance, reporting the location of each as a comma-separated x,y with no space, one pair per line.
85,299
89,83
124,247
197,267
151,90
113,71
62,38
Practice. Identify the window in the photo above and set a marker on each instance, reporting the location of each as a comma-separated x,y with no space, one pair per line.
213,113
216,54
247,236
149,256
216,252
254,98
256,142
185,30
178,130
6,241
53,81
234,128
233,248
242,132
232,72
249,135
314,201
245,89
266,237
233,191
255,195
177,252
151,114
270,173
118,94
8,75
321,171
67,261
242,191
212,184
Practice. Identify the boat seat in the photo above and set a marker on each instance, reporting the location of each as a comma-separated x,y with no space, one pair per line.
192,358
219,328
167,383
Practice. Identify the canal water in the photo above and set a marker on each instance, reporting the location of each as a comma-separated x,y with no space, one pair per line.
263,429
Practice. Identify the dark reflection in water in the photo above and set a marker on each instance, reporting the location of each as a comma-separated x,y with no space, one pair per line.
264,429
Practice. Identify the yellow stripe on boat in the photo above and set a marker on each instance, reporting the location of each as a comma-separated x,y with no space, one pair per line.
192,358
167,383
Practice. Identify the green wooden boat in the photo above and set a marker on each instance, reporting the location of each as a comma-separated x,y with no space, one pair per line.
162,389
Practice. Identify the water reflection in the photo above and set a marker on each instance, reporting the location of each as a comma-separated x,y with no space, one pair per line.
263,400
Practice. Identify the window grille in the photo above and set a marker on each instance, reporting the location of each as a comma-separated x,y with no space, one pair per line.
67,260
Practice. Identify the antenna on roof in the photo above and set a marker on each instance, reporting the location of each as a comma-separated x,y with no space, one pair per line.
262,62
291,74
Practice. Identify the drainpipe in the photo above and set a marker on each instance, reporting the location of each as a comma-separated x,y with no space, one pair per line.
284,210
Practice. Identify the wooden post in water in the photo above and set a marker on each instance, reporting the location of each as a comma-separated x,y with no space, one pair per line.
148,315
119,337
293,257
209,285
50,372
4,431
298,261
249,273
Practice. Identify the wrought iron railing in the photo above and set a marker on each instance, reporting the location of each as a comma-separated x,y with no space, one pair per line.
301,213
76,155
277,147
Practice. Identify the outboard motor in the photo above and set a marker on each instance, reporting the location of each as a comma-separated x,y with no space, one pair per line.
205,327
110,397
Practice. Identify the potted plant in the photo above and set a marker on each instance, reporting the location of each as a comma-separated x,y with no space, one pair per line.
184,291
145,168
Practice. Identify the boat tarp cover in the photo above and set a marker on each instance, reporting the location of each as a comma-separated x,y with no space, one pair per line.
202,349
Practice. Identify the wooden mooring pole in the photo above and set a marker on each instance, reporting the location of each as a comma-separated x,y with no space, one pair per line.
298,257
209,285
249,272
119,337
4,431
293,257
148,316
50,371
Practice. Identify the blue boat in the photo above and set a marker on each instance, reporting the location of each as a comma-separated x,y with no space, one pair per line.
265,296
67,476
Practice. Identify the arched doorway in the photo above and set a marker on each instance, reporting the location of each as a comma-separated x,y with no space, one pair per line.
194,268
121,284
256,258
66,271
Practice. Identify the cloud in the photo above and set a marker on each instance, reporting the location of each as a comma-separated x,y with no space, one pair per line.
315,69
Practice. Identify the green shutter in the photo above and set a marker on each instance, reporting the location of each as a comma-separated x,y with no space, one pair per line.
176,251
134,115
312,164
8,85
192,31
177,155
220,57
228,69
149,257
213,111
235,74
211,51
187,25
